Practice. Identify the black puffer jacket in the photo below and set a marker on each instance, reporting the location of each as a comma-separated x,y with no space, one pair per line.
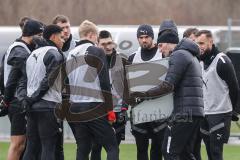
186,76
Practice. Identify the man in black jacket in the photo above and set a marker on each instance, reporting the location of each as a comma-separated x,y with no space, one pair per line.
184,74
220,95
44,95
13,70
191,34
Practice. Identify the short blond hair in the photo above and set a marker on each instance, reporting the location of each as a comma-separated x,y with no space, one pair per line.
87,27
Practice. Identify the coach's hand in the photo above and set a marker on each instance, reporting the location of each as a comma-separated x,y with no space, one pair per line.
137,97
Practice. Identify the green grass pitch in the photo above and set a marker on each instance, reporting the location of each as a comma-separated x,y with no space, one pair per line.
127,152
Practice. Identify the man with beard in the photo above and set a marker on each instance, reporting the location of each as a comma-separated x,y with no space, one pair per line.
116,63
14,69
185,76
4,110
220,95
148,51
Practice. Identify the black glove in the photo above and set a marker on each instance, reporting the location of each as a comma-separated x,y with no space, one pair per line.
122,117
235,116
3,107
27,103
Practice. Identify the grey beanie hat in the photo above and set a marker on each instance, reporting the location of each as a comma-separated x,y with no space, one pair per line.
168,25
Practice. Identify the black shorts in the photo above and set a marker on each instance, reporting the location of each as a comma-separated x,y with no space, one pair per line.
17,119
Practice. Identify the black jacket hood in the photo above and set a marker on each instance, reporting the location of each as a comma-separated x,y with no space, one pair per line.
189,45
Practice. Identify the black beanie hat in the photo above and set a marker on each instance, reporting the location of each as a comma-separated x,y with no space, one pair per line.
168,36
32,27
168,25
145,30
50,30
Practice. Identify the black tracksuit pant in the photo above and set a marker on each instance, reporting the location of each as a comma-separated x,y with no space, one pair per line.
97,148
178,139
143,133
215,131
196,145
42,129
97,130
